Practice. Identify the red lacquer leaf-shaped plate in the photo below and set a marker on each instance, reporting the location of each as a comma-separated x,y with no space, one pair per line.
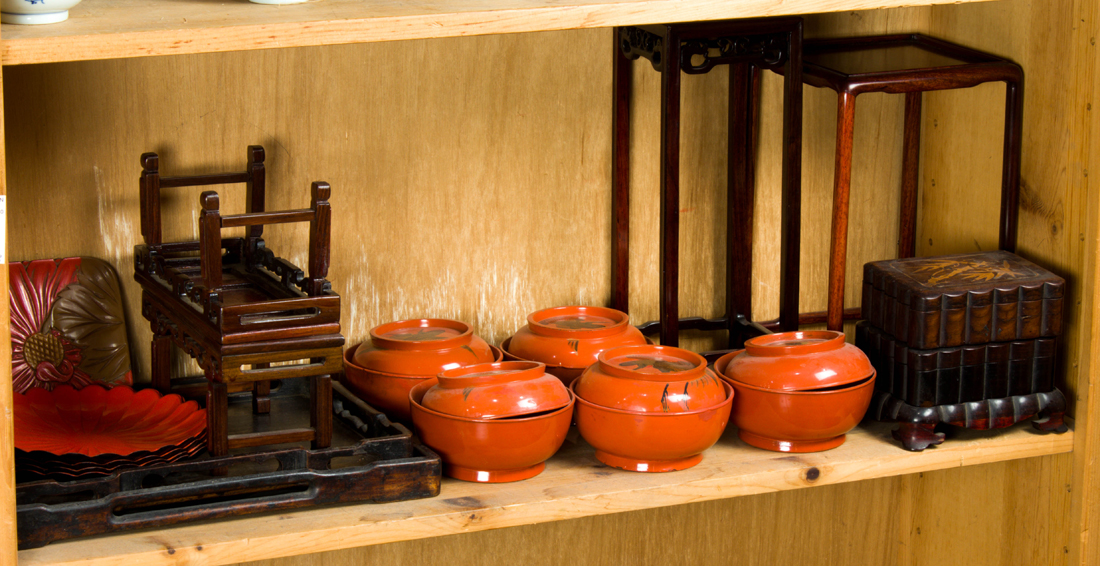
94,421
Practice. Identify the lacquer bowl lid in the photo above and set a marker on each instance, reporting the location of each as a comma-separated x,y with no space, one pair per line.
104,423
421,347
799,361
572,336
648,378
496,390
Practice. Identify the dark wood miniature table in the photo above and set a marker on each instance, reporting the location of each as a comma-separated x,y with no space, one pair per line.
747,46
910,64
238,312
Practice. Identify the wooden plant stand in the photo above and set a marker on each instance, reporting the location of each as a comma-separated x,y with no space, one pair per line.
239,312
747,46
910,64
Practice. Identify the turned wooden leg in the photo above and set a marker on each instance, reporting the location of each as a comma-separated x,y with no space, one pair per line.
623,70
320,413
161,377
740,198
910,176
917,436
670,194
1010,173
217,417
261,393
842,179
791,216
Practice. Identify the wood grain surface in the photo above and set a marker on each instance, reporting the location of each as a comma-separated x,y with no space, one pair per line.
109,29
574,485
7,435
471,180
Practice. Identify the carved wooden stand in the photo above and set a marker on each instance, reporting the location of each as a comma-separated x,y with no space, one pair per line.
747,46
246,308
909,64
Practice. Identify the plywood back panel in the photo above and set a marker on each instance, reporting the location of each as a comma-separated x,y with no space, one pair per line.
470,177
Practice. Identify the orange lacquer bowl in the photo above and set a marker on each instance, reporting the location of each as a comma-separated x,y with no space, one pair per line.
801,360
496,390
387,392
568,339
421,347
489,450
649,378
652,442
796,421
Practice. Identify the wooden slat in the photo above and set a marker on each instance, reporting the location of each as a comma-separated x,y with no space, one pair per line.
573,486
108,29
261,218
199,180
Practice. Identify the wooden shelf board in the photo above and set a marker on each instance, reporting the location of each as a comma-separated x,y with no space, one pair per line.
110,29
574,485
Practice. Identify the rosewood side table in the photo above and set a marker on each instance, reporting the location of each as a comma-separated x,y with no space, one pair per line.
747,46
909,64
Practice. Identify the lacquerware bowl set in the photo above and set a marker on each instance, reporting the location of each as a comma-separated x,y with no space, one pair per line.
643,407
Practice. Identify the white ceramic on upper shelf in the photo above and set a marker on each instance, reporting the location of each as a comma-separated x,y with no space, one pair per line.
35,11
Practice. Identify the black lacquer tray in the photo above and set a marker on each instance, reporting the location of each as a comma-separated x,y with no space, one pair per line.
372,461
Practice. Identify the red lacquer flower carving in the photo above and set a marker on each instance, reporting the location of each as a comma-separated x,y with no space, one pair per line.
66,324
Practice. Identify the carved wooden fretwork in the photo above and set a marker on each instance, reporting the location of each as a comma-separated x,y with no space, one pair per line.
636,42
698,56
161,325
768,51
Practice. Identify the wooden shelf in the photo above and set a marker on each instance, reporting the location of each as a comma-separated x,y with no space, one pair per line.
574,485
110,29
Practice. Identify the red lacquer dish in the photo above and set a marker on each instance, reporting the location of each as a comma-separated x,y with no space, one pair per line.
798,391
568,339
651,408
421,347
94,421
401,354
650,378
490,450
496,390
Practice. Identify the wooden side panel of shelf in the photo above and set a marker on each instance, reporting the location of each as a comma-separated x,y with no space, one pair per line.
7,438
1053,41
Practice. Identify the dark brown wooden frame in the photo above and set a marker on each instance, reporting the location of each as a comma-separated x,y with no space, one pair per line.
747,46
301,321
974,68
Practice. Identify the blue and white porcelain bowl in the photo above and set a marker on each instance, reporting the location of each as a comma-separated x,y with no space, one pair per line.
35,11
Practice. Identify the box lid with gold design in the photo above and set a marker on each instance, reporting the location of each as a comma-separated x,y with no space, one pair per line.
975,298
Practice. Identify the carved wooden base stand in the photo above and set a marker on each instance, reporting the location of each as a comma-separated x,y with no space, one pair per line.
918,423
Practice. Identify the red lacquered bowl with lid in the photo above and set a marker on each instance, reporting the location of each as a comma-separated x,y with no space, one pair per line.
489,450
648,379
387,392
652,441
421,347
568,339
799,361
803,394
496,390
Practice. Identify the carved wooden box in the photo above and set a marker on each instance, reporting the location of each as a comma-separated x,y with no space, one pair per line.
958,374
976,298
